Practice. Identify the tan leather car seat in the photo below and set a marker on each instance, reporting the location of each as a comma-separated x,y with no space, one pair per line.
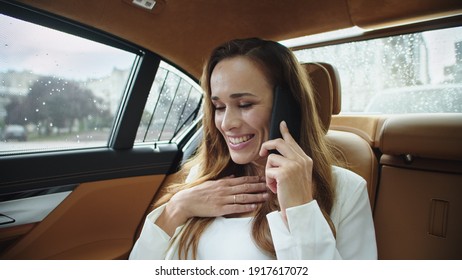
351,149
418,211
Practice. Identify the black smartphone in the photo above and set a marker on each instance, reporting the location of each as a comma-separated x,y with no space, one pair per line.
285,108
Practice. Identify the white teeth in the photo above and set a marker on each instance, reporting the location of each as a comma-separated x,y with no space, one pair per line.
238,140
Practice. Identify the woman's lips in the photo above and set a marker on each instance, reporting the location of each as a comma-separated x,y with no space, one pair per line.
239,142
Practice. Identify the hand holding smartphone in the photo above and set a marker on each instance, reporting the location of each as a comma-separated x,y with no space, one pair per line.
285,108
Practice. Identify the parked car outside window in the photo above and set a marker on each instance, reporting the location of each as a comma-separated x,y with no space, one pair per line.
14,132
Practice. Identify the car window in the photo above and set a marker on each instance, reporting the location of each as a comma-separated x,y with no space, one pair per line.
173,104
412,73
57,90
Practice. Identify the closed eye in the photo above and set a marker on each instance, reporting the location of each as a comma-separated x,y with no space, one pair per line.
218,107
245,105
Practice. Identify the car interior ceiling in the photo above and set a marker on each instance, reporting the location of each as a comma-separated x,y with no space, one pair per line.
201,25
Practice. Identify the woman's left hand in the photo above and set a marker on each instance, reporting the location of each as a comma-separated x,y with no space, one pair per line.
288,174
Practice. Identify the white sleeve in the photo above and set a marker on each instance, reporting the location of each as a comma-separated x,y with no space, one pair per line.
308,235
355,230
153,242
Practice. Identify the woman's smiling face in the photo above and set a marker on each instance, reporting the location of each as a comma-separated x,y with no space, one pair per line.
243,98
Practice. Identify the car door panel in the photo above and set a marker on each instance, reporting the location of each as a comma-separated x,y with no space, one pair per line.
10,235
30,210
98,220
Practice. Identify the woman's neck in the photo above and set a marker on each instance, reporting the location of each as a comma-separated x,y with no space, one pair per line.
255,169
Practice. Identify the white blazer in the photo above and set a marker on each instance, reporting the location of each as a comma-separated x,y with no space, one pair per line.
306,236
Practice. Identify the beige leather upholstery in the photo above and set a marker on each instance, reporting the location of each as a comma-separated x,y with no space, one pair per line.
326,89
352,149
336,87
358,156
72,231
438,136
418,210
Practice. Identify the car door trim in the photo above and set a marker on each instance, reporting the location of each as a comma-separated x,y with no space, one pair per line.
32,209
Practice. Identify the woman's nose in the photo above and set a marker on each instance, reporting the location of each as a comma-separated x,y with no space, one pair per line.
231,119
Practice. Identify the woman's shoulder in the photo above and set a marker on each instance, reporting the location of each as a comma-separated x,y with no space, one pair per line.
193,173
350,188
347,183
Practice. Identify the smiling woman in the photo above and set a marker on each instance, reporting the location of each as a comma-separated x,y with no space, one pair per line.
242,107
235,184
108,98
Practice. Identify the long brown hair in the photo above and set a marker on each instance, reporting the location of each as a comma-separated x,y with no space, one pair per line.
281,68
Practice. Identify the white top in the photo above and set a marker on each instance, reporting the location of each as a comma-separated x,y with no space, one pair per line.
307,236
232,240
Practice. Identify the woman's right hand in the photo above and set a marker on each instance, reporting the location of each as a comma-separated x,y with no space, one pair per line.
230,195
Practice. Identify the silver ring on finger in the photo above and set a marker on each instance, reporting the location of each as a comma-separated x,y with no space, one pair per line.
234,197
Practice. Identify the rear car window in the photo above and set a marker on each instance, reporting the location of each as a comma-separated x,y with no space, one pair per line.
411,73
172,107
57,90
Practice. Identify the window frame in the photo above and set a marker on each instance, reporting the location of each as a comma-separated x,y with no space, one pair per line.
142,73
190,123
34,170
135,96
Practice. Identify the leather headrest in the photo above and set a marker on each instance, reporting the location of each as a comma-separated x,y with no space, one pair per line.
326,84
436,136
